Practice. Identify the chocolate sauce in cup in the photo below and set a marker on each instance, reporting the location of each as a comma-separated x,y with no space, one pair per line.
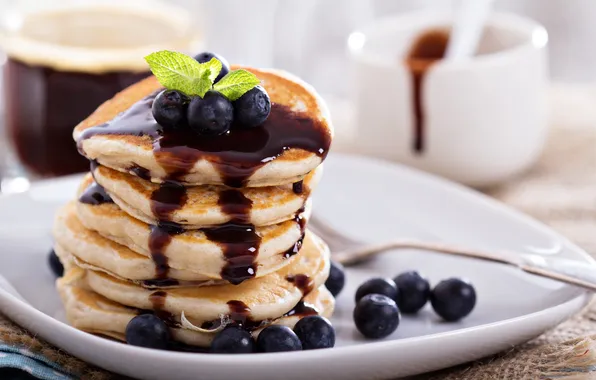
64,62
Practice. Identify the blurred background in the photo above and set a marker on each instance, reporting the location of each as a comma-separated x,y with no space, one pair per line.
309,38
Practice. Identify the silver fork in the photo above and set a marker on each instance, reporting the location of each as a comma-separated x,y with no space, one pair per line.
349,252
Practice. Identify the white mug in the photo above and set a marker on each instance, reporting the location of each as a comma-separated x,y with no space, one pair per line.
485,118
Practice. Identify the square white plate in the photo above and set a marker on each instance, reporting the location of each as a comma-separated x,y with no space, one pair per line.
370,200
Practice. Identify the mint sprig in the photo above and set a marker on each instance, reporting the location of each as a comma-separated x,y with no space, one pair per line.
236,83
177,71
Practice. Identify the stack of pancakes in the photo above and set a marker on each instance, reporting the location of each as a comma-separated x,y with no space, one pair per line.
201,231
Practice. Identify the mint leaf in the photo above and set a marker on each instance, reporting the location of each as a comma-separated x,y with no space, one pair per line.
236,83
177,71
214,65
204,82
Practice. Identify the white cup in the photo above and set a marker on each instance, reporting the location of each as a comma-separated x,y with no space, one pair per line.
485,118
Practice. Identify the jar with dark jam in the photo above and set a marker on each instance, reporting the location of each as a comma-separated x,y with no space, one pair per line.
63,63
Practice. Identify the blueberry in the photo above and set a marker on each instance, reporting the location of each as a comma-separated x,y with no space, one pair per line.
414,291
376,316
169,108
233,340
252,108
211,115
379,285
55,264
315,332
276,338
453,299
337,278
206,57
147,330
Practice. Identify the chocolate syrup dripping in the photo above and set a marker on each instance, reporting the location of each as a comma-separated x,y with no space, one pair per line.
160,283
298,187
294,249
234,204
240,244
236,155
300,219
240,314
302,309
158,301
159,239
426,50
167,198
95,195
140,172
302,282
237,238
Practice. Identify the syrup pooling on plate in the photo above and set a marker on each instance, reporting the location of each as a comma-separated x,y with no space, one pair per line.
236,155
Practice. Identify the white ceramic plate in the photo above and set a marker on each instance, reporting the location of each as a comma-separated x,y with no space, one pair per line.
370,200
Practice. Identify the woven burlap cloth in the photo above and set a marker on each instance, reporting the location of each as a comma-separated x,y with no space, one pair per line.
560,191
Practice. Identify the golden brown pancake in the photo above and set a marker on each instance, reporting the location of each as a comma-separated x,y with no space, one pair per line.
91,312
105,237
131,151
267,297
206,205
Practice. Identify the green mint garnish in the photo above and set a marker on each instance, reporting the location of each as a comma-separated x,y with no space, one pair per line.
177,71
236,83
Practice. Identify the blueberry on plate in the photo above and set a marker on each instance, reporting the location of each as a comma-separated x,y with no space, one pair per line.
378,285
206,57
252,108
315,332
55,264
277,338
147,330
233,340
211,115
376,316
413,292
169,108
453,299
337,278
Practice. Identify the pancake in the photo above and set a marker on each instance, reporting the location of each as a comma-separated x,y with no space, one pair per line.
106,237
122,134
207,205
91,312
266,297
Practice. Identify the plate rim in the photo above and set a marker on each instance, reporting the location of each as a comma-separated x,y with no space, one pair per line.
446,185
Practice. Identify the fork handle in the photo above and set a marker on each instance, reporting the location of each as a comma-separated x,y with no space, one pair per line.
563,270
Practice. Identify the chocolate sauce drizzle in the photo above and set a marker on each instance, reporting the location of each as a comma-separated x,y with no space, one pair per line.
302,282
240,244
236,155
427,49
240,315
302,309
167,198
237,238
140,172
95,195
158,301
298,187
